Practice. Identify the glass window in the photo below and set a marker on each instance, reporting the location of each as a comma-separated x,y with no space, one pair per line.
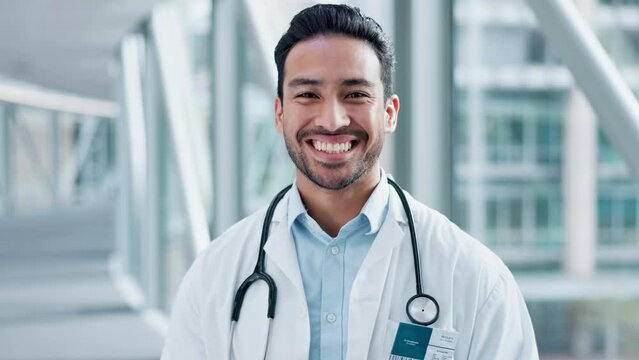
542,212
460,130
606,153
605,212
548,140
630,213
267,166
491,214
514,213
536,48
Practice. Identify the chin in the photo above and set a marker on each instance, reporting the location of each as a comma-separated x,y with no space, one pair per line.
334,176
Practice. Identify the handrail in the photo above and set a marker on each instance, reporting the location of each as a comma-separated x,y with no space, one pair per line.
29,95
596,74
174,72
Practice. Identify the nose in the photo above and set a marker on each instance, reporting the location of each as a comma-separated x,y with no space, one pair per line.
332,116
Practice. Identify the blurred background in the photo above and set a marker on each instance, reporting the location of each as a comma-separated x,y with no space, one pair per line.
133,132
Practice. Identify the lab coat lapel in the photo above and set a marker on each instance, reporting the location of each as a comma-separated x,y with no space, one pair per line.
371,280
280,248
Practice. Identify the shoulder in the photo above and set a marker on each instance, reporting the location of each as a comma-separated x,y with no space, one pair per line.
235,240
229,253
467,258
478,288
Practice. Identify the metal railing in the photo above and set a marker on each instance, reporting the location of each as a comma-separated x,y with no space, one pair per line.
57,150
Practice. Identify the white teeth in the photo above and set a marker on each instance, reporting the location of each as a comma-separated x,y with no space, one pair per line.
332,148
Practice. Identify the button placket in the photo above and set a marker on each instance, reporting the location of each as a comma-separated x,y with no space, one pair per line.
332,296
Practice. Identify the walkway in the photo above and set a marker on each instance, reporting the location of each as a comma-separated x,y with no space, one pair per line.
57,301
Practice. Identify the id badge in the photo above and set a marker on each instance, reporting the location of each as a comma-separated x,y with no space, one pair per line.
417,342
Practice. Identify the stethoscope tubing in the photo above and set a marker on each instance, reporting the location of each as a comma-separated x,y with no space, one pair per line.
260,274
413,236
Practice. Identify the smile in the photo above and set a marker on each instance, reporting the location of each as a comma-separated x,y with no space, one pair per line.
332,148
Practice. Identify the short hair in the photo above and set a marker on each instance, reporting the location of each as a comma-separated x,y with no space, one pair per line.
326,19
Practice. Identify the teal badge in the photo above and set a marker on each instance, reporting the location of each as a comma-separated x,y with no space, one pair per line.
411,342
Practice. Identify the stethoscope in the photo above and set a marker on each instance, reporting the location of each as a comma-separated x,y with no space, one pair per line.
421,308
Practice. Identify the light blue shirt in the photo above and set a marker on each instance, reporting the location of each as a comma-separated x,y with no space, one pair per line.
329,266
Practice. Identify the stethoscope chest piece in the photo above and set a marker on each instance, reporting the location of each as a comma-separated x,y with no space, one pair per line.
422,309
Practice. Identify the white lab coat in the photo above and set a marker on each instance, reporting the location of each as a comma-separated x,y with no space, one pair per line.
477,294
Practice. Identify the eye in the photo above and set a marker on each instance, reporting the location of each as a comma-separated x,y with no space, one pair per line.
306,95
356,95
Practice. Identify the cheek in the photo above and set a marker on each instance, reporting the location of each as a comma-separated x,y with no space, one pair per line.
288,127
377,125
294,119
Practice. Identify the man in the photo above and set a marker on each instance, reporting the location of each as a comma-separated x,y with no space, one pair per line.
339,247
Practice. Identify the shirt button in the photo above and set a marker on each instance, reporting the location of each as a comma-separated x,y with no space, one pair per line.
331,318
335,250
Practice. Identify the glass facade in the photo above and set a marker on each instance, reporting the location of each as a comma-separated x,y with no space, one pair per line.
159,235
510,111
268,168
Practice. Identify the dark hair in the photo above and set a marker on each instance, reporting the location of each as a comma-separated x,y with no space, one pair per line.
324,19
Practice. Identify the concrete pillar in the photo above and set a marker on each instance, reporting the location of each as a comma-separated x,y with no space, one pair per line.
579,174
227,140
580,188
154,225
580,180
477,157
6,116
423,146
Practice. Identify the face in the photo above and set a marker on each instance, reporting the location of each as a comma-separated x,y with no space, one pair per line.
333,114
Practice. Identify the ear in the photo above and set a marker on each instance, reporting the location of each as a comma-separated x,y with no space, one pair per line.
390,114
279,115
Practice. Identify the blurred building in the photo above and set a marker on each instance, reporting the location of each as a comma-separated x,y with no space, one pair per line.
512,103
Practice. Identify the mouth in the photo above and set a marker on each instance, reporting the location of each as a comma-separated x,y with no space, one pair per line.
332,148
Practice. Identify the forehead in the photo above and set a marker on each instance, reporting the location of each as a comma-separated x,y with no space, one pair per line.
332,58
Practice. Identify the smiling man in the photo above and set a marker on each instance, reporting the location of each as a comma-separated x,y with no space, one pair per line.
344,265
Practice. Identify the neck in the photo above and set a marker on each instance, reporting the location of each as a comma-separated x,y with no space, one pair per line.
332,209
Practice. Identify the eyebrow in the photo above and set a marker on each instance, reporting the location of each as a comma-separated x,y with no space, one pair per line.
305,81
347,82
358,82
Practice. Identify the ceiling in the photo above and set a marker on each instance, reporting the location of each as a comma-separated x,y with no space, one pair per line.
66,45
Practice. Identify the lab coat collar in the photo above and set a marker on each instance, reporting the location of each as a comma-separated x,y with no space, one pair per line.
391,232
281,247
371,210
374,209
396,210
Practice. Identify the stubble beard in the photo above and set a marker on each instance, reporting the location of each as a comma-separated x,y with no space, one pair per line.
362,166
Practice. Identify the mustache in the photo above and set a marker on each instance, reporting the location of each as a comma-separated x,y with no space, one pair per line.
359,134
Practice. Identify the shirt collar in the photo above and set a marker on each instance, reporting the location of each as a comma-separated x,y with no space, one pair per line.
295,205
374,209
